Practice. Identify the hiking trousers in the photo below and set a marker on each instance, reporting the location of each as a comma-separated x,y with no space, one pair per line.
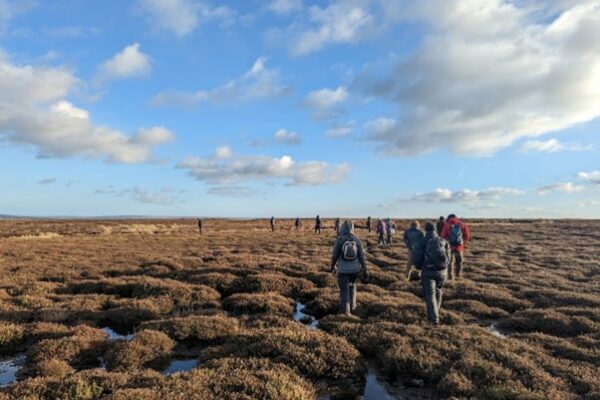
456,262
347,284
409,265
381,239
433,282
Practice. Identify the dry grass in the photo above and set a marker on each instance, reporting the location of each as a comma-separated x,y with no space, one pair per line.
228,297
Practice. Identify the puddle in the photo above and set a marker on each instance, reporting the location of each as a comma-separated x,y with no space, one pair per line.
493,329
113,335
375,390
308,320
180,366
9,369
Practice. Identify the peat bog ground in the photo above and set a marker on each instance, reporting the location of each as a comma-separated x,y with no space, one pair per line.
148,309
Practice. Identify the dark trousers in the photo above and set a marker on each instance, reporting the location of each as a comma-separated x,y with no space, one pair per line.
456,262
318,229
347,284
433,282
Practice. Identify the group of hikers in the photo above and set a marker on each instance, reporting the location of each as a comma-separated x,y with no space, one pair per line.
437,255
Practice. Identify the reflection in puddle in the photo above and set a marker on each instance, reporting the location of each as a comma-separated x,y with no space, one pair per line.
180,366
9,369
308,320
113,335
375,390
493,329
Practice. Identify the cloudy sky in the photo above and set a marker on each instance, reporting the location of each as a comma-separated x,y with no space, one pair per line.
297,107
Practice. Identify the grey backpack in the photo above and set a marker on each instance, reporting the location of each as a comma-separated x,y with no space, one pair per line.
437,254
349,250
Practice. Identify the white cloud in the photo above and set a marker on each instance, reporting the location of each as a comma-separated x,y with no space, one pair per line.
222,153
285,7
563,187
9,9
129,62
339,22
553,146
488,73
182,17
258,82
463,196
287,137
165,196
324,100
592,177
262,168
340,131
232,191
153,136
34,112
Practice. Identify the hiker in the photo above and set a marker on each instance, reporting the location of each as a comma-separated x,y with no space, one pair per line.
390,230
412,237
336,226
298,224
318,224
440,225
381,231
348,260
200,225
457,234
369,224
272,224
432,256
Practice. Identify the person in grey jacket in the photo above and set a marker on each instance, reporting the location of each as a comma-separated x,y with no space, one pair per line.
412,236
432,257
348,260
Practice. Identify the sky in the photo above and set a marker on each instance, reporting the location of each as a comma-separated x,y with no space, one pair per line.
248,108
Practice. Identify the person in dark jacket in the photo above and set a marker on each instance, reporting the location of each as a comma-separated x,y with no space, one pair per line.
457,234
412,237
318,224
298,224
369,224
200,226
273,224
432,257
440,225
336,226
348,260
381,231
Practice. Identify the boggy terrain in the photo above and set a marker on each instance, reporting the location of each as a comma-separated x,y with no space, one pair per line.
112,309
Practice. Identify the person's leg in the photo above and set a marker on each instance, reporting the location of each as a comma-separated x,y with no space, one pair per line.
409,265
429,287
459,257
343,283
451,266
439,290
353,291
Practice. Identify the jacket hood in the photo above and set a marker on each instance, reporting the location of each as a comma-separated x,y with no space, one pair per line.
347,228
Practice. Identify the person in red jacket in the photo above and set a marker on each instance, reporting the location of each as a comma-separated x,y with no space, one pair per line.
457,234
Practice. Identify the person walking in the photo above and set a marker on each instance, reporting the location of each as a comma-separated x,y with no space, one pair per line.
432,257
390,230
412,237
440,225
272,224
348,261
298,224
369,224
336,227
381,231
200,226
457,234
318,224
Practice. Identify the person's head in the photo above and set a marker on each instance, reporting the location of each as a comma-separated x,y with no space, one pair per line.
442,219
414,224
347,228
451,216
429,227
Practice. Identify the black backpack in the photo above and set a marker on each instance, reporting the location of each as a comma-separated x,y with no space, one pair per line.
349,250
456,236
437,254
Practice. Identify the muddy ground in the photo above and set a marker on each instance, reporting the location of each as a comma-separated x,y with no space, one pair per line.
151,310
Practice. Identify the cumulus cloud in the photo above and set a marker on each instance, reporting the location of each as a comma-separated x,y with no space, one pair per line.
323,101
235,169
486,74
339,22
339,131
34,112
592,177
553,146
285,7
182,17
563,187
47,181
463,196
9,9
258,83
128,63
287,137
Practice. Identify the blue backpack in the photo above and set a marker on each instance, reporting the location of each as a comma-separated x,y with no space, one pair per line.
456,236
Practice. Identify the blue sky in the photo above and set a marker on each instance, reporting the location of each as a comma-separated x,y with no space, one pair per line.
297,107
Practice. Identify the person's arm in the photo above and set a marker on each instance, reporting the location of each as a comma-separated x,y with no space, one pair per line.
361,256
466,234
405,238
446,231
418,254
335,254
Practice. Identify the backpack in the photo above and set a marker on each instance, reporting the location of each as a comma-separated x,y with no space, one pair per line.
437,255
349,250
456,236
